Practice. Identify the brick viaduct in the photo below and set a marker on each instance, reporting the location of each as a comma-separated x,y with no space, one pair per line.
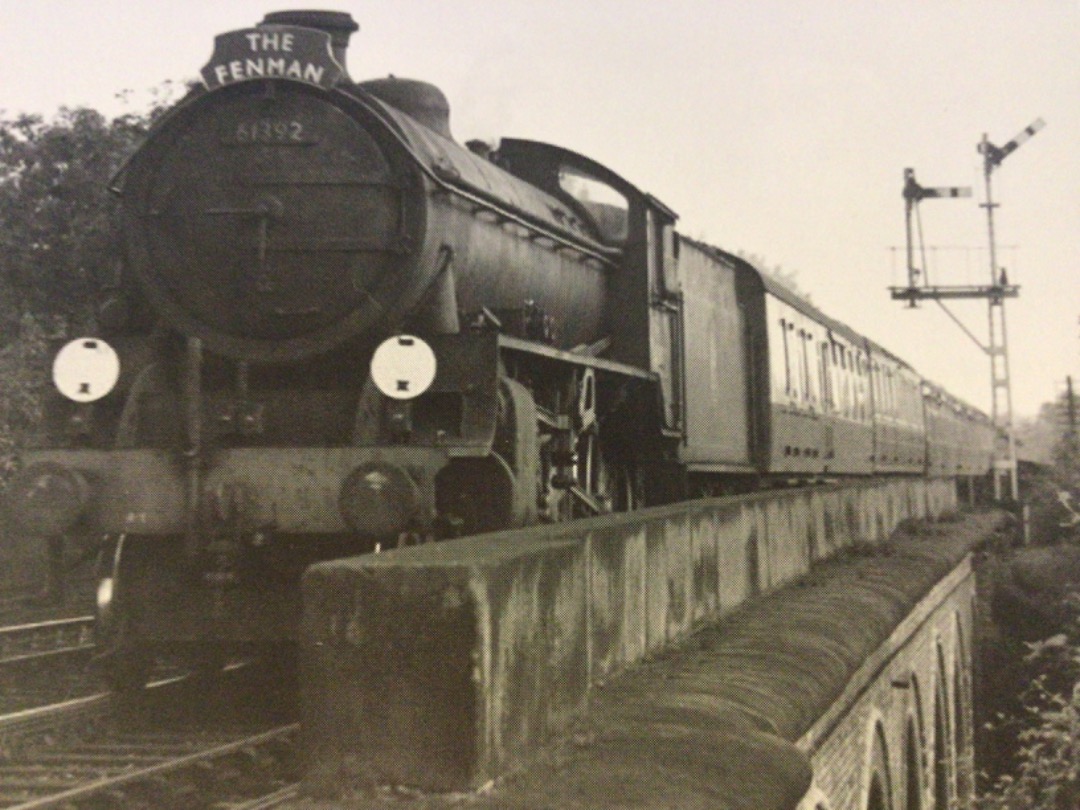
901,736
769,652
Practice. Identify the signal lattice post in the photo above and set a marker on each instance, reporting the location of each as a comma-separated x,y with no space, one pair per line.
995,293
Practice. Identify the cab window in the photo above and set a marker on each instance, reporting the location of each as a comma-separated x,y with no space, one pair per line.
607,208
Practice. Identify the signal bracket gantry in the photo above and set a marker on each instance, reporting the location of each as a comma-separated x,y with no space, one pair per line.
916,291
995,293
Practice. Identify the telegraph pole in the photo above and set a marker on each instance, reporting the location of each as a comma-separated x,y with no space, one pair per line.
995,293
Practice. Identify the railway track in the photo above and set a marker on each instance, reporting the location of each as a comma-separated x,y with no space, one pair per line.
106,751
46,662
36,641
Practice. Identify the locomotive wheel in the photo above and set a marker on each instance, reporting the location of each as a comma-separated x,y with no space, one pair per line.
548,464
578,477
599,486
498,491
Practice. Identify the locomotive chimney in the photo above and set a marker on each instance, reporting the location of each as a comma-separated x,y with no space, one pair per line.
338,24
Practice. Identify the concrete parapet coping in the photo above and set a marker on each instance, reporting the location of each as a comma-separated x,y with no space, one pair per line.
726,718
445,666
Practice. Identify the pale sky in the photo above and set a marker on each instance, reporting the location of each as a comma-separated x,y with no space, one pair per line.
780,128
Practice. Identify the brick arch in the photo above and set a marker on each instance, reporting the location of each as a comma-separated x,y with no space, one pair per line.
877,776
944,744
913,755
913,771
918,709
878,796
963,732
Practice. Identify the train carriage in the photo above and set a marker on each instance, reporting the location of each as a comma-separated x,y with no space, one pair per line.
850,403
727,418
813,415
943,430
899,428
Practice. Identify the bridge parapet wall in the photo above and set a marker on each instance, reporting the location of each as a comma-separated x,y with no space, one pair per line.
443,666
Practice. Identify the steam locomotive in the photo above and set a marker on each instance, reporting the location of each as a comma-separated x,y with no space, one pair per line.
337,330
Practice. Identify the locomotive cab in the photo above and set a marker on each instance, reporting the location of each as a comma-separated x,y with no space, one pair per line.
646,291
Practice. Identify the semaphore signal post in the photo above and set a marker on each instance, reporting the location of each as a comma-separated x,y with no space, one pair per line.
995,293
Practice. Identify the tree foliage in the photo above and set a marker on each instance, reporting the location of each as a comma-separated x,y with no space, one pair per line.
1047,776
22,378
56,217
785,278
57,240
1043,438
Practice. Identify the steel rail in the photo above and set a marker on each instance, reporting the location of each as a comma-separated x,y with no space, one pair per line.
169,765
25,642
278,797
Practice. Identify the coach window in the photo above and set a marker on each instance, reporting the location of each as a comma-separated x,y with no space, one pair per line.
795,339
825,372
837,379
798,391
804,367
787,356
792,364
848,375
607,208
799,336
813,379
856,385
847,394
862,381
875,389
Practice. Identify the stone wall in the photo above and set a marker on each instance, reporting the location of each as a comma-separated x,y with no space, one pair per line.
443,666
